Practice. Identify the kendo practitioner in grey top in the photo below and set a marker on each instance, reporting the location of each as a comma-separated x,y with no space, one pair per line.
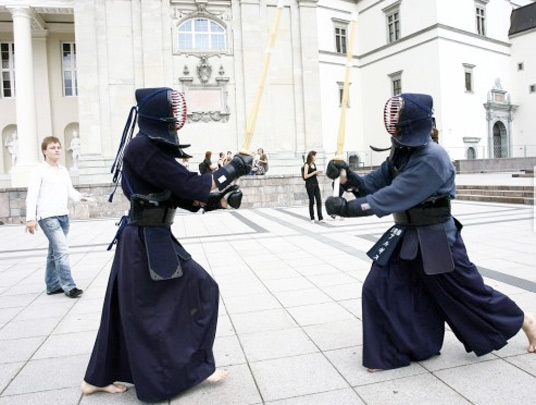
421,276
161,307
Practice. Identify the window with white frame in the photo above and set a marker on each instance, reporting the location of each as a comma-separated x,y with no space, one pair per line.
68,63
468,77
520,66
532,88
340,85
392,16
396,83
7,51
480,9
201,34
341,36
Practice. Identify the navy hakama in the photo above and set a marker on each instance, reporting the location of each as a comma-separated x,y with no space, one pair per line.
156,335
404,311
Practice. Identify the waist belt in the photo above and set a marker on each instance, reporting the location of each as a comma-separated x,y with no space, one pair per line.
432,211
160,216
151,210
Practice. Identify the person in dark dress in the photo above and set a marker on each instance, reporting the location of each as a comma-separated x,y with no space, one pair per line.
160,310
310,173
421,276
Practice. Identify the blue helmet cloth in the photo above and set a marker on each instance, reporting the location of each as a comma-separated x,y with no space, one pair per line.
415,120
161,113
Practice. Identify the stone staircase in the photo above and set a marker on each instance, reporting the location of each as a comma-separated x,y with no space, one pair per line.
501,194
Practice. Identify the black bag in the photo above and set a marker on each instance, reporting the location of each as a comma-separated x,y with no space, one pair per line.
303,172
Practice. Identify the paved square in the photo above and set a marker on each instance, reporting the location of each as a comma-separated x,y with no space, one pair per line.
290,317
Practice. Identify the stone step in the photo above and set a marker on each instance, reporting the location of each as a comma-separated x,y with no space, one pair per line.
496,198
496,193
494,187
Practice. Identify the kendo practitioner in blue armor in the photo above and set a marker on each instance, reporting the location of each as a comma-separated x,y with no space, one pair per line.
161,307
421,276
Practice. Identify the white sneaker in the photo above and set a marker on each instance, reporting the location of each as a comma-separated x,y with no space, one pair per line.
312,221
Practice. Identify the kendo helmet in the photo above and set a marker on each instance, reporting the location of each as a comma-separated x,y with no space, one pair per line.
161,114
409,119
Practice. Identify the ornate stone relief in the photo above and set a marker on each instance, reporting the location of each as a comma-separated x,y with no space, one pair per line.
204,70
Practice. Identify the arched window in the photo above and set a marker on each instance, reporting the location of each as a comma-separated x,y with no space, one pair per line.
471,153
201,34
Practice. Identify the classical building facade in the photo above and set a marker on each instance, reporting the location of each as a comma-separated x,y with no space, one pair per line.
70,68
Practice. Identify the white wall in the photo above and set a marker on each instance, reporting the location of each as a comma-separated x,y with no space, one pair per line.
523,128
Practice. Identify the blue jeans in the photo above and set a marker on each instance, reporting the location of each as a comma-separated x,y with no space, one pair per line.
58,271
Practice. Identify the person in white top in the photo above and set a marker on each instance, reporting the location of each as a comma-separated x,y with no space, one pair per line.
49,190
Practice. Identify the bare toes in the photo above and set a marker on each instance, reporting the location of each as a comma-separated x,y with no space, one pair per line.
218,376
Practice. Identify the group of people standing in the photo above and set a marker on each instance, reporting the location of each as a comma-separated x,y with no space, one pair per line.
259,167
160,310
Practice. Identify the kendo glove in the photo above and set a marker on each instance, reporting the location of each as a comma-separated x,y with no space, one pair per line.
355,208
239,166
232,195
334,168
337,206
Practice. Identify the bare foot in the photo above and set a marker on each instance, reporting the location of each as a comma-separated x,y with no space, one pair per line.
529,327
218,375
373,370
115,388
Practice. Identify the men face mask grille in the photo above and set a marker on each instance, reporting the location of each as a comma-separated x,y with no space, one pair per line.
391,114
178,108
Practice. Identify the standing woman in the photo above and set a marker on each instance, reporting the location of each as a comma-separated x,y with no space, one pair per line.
311,184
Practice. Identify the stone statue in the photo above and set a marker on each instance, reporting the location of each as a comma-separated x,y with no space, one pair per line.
13,148
75,149
204,70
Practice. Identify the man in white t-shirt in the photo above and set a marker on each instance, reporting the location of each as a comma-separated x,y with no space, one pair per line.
49,190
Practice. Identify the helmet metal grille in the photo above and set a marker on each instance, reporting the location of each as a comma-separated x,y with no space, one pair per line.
178,107
391,114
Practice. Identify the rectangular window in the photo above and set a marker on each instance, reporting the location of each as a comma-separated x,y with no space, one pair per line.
480,20
70,80
468,77
397,86
532,88
393,26
520,66
396,83
468,81
340,40
7,51
341,94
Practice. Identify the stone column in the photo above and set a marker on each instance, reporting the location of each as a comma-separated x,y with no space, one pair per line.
25,96
310,77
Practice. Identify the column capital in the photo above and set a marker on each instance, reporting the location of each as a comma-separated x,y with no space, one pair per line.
26,11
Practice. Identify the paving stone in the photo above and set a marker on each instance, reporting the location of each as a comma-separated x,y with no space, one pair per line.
18,350
260,321
319,313
494,382
276,344
49,374
296,376
238,388
338,397
416,390
68,396
336,335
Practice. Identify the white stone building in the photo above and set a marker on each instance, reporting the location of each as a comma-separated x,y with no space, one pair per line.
71,67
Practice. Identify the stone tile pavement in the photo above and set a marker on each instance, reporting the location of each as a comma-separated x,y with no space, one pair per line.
290,320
